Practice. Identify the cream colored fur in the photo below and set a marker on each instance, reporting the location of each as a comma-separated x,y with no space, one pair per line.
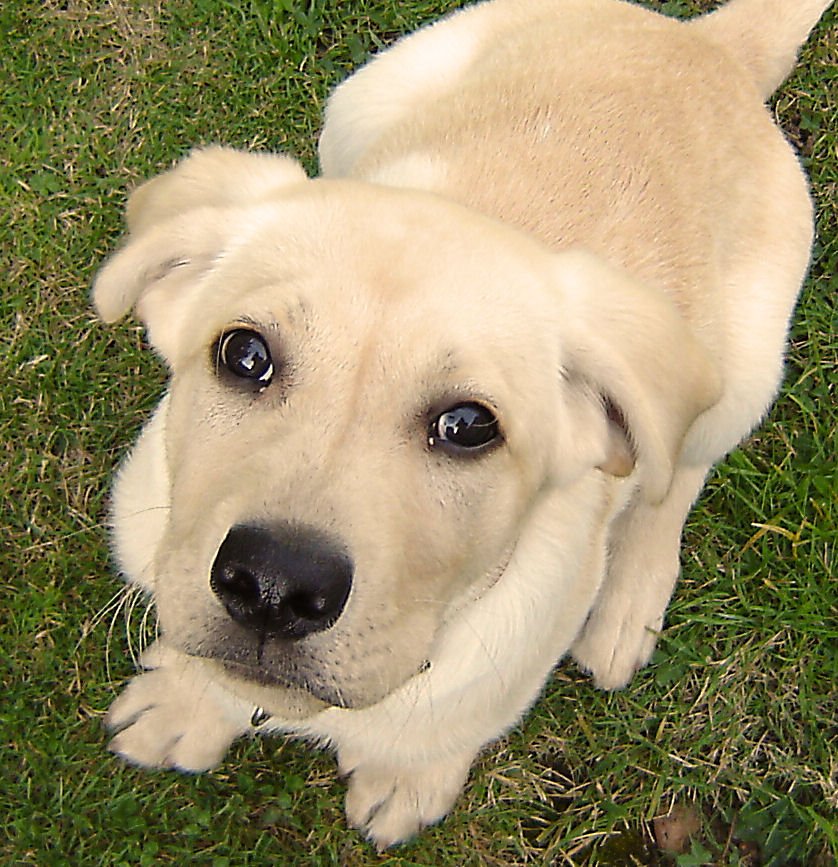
576,211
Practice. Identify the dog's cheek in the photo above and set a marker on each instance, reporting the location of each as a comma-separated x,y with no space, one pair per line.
367,661
201,436
187,611
452,548
141,503
471,523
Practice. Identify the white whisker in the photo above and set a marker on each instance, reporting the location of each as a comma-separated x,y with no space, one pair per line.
120,608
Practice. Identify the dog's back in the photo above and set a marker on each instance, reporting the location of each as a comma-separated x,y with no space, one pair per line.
625,137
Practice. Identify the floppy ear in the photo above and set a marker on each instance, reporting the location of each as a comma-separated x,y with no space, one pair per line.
630,345
210,177
178,224
157,271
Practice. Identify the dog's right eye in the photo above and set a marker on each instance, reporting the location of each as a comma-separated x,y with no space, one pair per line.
245,354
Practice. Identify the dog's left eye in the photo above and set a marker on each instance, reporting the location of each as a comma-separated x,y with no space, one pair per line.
245,354
466,427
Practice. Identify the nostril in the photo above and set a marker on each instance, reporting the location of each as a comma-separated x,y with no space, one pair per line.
316,606
238,582
239,589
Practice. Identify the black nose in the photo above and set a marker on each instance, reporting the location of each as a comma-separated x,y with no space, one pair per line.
288,581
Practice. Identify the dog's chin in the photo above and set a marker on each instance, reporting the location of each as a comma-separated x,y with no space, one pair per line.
294,690
270,694
321,695
274,672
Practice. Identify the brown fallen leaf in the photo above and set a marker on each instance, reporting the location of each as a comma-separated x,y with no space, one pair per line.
672,832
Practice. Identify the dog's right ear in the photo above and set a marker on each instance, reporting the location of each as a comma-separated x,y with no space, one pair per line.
211,177
178,225
630,345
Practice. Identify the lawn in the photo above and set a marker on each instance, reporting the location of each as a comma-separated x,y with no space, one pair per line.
734,722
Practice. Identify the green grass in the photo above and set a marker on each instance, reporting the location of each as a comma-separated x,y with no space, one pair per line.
737,713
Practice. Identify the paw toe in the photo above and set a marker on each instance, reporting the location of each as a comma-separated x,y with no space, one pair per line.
390,805
368,790
165,720
138,697
613,651
143,745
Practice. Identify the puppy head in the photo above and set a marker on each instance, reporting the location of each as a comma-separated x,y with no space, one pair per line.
371,389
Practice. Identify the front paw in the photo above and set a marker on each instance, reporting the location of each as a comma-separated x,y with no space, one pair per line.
391,804
174,717
615,643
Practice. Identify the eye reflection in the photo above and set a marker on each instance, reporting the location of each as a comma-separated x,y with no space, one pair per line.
465,426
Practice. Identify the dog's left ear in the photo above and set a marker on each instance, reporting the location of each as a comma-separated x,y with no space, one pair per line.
631,347
178,224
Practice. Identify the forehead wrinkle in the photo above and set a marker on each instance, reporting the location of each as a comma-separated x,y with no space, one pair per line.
276,294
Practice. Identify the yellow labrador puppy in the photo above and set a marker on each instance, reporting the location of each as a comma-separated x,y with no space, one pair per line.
437,418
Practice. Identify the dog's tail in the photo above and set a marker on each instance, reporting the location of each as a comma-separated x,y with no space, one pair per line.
764,35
